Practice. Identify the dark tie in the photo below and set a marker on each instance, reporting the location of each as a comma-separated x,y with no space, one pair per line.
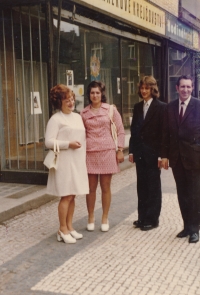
181,112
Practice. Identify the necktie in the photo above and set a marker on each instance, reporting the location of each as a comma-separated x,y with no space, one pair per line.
181,112
145,109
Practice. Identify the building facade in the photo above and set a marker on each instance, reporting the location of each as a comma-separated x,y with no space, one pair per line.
44,43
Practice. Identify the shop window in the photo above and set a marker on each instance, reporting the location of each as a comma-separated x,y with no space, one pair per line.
24,74
97,58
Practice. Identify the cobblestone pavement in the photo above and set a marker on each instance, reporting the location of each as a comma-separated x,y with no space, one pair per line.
122,261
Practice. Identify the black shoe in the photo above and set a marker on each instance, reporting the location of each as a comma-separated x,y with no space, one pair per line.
148,226
194,238
137,223
183,234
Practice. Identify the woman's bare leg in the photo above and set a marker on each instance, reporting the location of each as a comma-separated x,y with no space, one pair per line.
63,208
91,197
105,183
70,214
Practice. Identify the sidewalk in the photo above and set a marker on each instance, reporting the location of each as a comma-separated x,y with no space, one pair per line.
123,261
18,198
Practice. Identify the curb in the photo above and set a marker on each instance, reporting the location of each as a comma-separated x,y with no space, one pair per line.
28,205
42,198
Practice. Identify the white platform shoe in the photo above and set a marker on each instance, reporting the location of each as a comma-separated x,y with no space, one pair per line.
105,226
68,239
76,235
90,226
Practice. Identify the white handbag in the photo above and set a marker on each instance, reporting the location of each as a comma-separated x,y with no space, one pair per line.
52,157
113,127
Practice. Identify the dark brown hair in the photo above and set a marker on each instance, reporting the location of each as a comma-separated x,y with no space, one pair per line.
101,87
150,81
58,93
184,77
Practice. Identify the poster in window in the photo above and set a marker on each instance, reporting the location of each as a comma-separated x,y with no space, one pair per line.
35,103
70,79
95,67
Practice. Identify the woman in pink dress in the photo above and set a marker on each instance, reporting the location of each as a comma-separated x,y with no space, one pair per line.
101,157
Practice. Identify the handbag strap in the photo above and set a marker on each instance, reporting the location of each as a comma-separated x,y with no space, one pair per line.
111,113
56,147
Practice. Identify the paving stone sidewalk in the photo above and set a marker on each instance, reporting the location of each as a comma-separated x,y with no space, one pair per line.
122,261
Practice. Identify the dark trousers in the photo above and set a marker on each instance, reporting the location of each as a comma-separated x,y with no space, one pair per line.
188,190
149,192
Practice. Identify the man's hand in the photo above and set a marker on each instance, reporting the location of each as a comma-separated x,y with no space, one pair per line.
165,163
131,158
74,145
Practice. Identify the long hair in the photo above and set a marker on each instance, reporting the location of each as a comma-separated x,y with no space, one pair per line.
150,81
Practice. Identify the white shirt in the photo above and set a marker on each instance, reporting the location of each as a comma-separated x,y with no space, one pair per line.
186,102
146,106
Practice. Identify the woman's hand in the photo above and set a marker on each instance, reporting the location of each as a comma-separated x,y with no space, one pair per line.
120,157
74,145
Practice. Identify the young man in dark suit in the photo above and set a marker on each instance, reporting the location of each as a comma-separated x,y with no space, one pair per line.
144,150
181,146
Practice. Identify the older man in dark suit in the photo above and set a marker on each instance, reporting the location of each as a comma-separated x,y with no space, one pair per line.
144,150
181,146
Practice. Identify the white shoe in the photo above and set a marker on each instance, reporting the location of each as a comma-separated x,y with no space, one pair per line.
90,226
76,235
68,239
105,226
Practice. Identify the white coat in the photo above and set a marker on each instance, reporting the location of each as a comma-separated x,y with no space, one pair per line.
71,177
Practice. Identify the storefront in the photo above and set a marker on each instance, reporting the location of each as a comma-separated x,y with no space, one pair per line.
69,42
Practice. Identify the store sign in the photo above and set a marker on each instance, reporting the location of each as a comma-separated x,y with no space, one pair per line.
178,31
169,5
138,12
196,39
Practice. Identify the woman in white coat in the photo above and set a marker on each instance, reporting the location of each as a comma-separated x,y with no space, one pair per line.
70,178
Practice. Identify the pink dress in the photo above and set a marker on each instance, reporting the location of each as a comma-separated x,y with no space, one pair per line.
100,146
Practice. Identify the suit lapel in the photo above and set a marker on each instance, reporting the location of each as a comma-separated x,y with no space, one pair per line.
140,112
189,109
176,111
150,112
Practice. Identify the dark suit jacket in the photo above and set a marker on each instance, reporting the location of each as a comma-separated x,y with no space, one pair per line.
183,138
146,133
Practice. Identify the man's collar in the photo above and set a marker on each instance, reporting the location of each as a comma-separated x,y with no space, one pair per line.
186,102
149,101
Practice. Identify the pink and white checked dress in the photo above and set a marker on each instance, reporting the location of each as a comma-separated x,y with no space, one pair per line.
100,147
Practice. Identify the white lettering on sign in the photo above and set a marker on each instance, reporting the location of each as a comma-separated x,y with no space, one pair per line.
179,31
